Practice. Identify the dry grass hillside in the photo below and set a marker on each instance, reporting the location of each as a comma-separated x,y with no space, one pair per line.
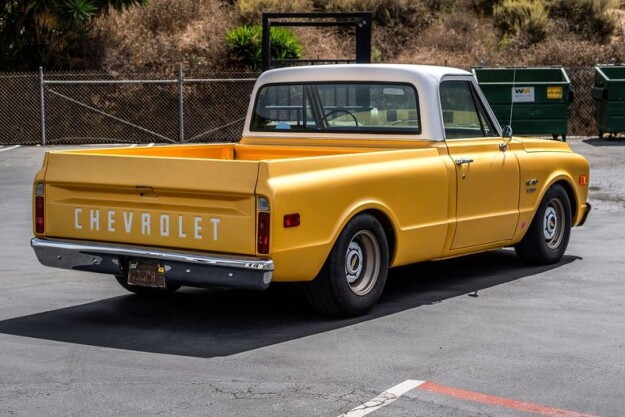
460,33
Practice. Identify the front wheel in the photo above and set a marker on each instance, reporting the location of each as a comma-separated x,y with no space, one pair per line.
547,238
354,275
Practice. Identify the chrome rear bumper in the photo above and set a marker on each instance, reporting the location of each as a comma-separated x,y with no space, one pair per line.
585,215
183,268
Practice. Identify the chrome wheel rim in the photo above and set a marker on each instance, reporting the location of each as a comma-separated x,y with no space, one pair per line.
362,262
553,227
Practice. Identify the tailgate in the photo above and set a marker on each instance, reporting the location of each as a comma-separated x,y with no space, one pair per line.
194,204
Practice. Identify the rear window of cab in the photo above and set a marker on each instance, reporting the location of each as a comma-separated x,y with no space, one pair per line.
337,107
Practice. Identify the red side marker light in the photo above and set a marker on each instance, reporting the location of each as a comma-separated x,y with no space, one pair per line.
291,220
583,180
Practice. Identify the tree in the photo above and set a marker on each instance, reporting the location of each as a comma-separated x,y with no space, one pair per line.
50,33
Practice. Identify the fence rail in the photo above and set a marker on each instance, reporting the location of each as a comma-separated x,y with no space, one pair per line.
82,108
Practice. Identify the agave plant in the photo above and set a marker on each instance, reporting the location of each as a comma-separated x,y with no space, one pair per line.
244,44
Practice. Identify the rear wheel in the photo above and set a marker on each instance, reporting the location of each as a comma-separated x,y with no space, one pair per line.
547,238
354,275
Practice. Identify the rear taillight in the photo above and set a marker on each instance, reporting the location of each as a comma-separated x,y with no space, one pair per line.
39,209
263,233
262,245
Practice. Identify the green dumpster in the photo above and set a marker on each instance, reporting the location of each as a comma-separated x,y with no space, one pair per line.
609,95
539,97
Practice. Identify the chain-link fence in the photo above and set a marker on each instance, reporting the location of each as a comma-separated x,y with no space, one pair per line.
582,110
20,113
78,108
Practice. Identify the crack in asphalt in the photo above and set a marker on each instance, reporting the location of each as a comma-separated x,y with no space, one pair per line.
378,401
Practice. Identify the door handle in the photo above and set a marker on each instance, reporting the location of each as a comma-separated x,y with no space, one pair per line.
463,161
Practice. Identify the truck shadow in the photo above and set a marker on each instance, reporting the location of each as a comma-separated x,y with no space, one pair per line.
616,141
208,324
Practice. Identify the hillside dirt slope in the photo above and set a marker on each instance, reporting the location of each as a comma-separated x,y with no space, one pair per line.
460,33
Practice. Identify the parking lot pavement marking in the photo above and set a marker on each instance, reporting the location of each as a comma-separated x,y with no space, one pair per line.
397,391
2,149
383,399
498,401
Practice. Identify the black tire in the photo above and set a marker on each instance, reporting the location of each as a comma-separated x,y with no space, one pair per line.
353,277
146,291
548,236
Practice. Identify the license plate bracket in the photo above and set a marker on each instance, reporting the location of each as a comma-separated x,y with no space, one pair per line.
146,273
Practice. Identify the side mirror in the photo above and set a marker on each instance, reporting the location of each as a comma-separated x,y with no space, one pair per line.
506,135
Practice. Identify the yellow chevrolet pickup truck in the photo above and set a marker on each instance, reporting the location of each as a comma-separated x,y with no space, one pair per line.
342,172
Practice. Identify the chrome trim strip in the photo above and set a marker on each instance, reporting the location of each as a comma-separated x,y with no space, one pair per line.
225,261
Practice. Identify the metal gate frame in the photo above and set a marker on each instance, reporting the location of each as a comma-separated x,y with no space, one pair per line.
361,21
45,87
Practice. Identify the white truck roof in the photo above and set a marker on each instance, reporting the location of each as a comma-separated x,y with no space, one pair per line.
426,79
361,72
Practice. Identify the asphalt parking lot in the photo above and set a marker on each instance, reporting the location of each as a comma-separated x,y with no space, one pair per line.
489,335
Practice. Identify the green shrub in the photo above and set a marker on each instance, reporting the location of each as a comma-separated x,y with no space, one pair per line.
285,44
244,43
527,18
590,18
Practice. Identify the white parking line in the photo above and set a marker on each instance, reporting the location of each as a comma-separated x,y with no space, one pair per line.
383,399
397,391
9,148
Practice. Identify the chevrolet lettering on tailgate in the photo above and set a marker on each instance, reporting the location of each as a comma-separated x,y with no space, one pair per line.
146,223
342,172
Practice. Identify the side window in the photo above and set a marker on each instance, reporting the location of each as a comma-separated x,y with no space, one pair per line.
463,114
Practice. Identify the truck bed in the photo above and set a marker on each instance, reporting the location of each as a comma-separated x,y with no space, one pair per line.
233,151
198,197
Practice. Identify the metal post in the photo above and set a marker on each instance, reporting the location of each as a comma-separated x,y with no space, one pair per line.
266,43
181,102
43,106
363,38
